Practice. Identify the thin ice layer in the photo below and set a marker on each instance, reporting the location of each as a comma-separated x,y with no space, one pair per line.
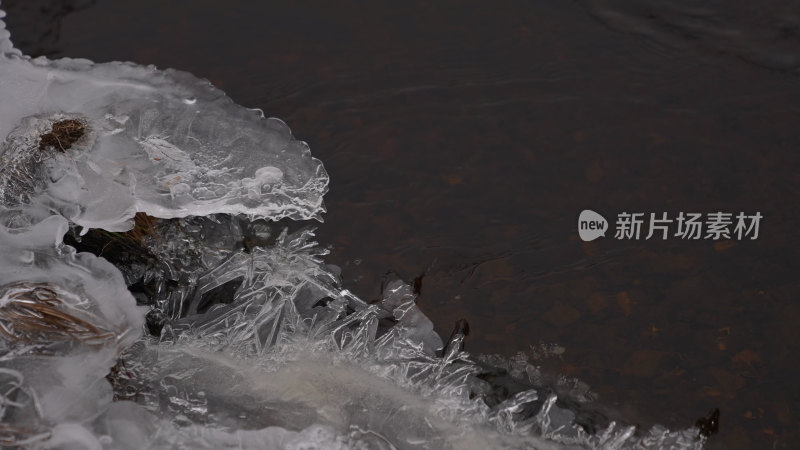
160,142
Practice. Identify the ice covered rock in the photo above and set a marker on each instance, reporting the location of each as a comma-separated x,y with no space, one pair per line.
81,296
65,317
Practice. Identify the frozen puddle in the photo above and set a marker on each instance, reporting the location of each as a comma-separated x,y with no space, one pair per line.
214,328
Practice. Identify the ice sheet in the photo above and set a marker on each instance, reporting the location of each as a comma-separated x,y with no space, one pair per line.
160,142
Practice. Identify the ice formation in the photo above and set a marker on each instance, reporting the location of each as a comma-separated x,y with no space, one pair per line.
217,328
160,142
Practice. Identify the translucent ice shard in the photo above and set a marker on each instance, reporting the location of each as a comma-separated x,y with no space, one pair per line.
160,142
285,347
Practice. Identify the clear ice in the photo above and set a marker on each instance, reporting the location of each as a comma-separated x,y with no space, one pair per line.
234,333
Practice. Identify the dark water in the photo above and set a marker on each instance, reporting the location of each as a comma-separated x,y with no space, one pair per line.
463,139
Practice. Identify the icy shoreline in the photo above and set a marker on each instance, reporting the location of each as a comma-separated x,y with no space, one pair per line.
248,346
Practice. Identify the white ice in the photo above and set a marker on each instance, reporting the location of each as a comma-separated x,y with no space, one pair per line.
160,142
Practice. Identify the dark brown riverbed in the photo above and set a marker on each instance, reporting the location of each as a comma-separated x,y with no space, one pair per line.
464,138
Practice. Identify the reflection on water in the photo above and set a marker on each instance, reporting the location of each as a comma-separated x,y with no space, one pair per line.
463,141
766,34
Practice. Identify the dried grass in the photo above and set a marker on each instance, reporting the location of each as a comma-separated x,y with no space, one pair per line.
35,313
63,135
